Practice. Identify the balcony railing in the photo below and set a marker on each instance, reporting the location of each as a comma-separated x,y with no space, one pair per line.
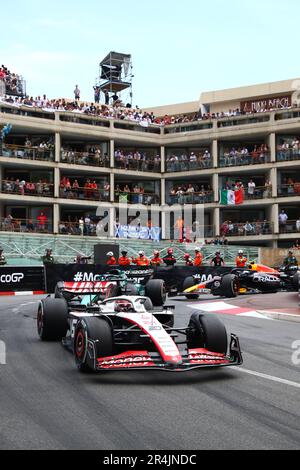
25,225
260,192
180,166
292,226
83,193
136,198
192,126
289,190
27,153
248,230
38,189
203,197
152,166
84,158
81,229
287,155
238,159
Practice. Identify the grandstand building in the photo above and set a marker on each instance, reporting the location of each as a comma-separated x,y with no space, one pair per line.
249,135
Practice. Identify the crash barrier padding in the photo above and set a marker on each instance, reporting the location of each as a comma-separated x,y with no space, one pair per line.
173,276
22,279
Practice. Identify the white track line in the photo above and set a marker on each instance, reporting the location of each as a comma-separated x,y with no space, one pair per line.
267,377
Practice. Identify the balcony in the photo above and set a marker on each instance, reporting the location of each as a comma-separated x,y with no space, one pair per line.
287,155
203,197
148,165
122,197
28,153
84,193
177,166
237,159
37,189
84,158
12,225
289,190
292,226
253,229
260,192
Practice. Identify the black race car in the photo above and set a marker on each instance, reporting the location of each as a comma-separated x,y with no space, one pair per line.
253,279
122,334
113,284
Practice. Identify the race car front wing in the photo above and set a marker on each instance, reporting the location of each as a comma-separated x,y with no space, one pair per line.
190,360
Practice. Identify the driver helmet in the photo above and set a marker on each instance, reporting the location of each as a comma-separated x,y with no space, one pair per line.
110,253
123,306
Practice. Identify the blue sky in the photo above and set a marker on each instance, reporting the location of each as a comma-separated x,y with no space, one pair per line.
179,48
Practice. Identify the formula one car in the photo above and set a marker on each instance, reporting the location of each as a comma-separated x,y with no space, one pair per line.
255,278
113,284
121,334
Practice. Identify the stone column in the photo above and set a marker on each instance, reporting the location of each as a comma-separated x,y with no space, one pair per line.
273,178
112,153
216,187
163,159
56,182
56,217
163,191
272,146
216,221
57,147
274,217
215,156
112,187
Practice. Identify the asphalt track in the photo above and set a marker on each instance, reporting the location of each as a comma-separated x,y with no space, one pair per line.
46,404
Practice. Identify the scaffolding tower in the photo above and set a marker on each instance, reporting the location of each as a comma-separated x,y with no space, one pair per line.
115,77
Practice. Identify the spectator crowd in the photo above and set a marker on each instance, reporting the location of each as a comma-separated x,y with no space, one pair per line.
185,162
13,82
243,156
137,160
90,189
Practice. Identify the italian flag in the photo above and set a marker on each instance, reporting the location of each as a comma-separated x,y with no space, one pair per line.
231,198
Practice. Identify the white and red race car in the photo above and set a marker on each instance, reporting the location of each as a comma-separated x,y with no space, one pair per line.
126,333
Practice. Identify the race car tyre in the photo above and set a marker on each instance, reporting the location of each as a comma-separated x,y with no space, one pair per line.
296,281
113,291
155,289
207,331
95,329
60,294
187,283
149,305
131,289
229,286
52,319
